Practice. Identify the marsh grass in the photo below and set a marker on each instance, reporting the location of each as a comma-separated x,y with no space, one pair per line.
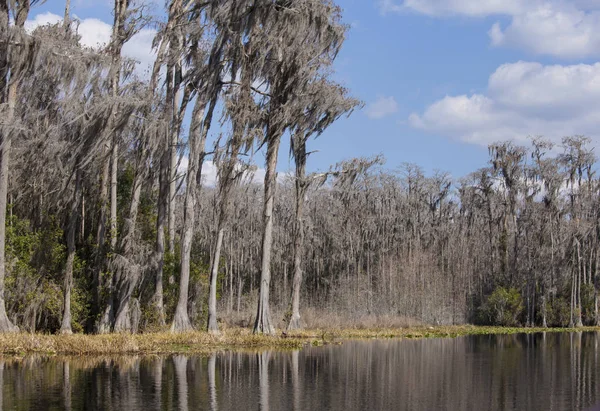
231,339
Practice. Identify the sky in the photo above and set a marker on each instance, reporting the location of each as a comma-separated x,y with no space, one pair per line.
440,79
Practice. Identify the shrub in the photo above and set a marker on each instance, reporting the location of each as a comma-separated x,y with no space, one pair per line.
588,304
559,312
503,307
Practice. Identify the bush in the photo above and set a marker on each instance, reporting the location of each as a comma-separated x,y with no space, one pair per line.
503,307
558,312
588,304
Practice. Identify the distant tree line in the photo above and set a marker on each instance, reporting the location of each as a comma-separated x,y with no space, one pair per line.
101,231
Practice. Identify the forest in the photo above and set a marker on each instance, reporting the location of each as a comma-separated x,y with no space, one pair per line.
102,229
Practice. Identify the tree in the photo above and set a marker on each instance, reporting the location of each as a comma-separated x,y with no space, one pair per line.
325,103
17,56
207,78
296,63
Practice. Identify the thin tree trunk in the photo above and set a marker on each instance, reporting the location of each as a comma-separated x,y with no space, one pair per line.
225,182
5,324
578,285
197,142
158,298
114,164
143,155
300,158
213,327
5,146
263,323
65,327
174,143
104,322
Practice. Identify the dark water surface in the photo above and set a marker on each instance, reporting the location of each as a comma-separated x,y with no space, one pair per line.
518,372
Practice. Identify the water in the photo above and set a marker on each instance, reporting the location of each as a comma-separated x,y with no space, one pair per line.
518,372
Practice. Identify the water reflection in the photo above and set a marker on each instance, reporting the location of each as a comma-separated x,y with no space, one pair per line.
524,372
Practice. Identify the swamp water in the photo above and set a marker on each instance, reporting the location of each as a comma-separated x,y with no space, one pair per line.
551,371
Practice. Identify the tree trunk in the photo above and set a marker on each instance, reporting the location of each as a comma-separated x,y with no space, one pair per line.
213,327
104,322
226,182
197,142
65,327
544,314
174,143
158,298
5,146
579,307
114,164
263,323
300,158
5,324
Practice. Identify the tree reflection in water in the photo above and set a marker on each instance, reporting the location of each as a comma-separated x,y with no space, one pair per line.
526,372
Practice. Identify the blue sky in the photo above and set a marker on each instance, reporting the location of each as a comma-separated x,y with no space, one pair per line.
441,79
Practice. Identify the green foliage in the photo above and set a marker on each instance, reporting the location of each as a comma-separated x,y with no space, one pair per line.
35,278
199,285
35,259
171,271
588,297
559,312
124,187
503,307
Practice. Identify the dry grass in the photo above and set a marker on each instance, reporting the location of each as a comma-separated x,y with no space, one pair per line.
318,319
329,334
231,339
154,343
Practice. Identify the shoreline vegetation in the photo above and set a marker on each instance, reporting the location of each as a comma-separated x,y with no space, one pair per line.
118,215
234,339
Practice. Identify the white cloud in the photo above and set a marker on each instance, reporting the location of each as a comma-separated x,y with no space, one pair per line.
96,33
42,19
210,173
562,31
382,107
139,48
473,8
522,99
560,28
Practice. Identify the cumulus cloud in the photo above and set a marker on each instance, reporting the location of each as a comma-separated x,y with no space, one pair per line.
42,19
561,31
96,33
522,99
560,28
382,107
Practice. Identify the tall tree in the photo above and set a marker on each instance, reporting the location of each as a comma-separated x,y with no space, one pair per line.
207,79
295,63
125,25
12,67
242,111
324,104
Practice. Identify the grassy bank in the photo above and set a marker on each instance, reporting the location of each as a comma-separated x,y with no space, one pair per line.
230,339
